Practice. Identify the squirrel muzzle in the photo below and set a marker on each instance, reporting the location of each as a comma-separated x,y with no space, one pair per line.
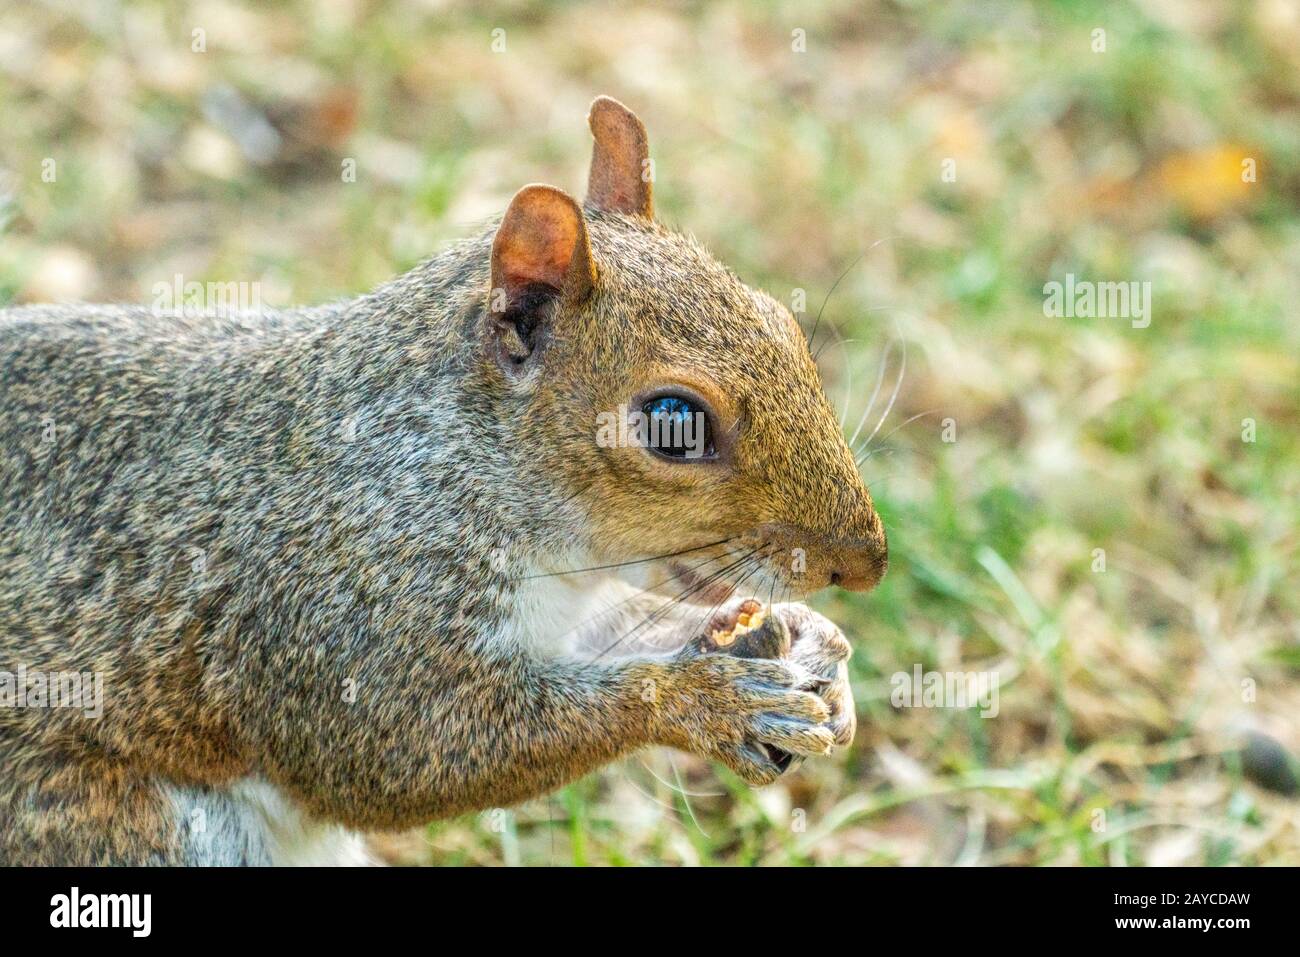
815,560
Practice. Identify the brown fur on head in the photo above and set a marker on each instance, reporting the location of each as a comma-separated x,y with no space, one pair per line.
597,311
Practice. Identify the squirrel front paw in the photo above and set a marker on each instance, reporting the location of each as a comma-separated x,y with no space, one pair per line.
793,631
744,712
818,645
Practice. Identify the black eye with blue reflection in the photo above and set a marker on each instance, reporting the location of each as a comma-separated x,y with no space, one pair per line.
676,428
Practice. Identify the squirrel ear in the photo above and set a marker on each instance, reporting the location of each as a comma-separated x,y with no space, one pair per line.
540,253
542,241
619,181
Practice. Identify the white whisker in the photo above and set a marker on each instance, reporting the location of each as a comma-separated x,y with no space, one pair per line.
898,385
880,378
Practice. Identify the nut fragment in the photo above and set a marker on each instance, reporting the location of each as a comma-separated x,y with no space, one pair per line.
752,634
751,618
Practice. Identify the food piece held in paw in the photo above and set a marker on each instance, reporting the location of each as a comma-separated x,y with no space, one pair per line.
752,634
749,617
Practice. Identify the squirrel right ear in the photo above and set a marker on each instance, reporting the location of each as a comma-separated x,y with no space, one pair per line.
540,254
620,180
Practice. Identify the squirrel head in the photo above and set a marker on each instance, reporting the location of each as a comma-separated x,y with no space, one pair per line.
677,408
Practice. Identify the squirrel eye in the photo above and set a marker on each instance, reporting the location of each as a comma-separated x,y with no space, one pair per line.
676,428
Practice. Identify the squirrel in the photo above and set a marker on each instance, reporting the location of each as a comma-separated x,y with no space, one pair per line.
357,567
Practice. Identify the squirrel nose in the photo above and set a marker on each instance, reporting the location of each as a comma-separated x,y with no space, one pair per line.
859,565
858,581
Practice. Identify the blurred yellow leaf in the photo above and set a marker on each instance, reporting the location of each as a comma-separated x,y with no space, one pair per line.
1208,182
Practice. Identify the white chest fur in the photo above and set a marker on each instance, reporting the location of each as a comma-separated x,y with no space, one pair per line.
251,822
293,839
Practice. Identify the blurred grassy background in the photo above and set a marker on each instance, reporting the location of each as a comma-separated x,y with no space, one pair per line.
1127,691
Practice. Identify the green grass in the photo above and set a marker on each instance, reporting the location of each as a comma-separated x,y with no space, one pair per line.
1121,691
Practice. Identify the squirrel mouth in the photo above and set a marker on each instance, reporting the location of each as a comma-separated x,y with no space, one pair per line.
695,588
